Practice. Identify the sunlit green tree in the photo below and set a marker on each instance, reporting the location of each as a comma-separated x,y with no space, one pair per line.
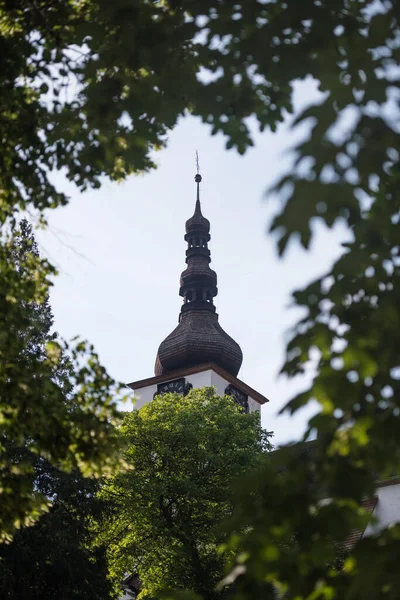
166,511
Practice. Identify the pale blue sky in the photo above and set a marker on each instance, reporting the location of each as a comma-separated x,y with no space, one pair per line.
120,251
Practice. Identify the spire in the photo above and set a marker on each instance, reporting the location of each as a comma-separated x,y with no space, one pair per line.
198,221
198,338
198,179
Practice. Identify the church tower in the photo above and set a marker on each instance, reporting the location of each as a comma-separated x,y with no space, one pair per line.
198,352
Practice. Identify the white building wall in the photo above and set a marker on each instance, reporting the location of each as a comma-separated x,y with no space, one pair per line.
254,405
219,383
198,380
387,510
144,395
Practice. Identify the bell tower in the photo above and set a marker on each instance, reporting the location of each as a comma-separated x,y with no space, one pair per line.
198,338
198,352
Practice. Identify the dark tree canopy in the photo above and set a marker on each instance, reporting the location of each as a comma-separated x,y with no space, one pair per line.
93,87
53,558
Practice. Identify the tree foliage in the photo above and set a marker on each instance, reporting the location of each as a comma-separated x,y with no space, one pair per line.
54,558
347,170
55,402
92,87
165,512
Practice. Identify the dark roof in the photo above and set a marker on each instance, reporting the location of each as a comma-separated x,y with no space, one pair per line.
394,480
197,339
198,267
369,506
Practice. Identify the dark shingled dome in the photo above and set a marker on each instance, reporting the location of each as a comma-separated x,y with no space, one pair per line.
198,338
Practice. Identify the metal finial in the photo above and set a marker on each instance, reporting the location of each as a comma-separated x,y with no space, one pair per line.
197,177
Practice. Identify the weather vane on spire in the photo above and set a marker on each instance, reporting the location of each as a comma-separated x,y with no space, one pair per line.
197,177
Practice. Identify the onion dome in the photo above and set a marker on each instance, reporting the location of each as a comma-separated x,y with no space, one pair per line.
198,338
